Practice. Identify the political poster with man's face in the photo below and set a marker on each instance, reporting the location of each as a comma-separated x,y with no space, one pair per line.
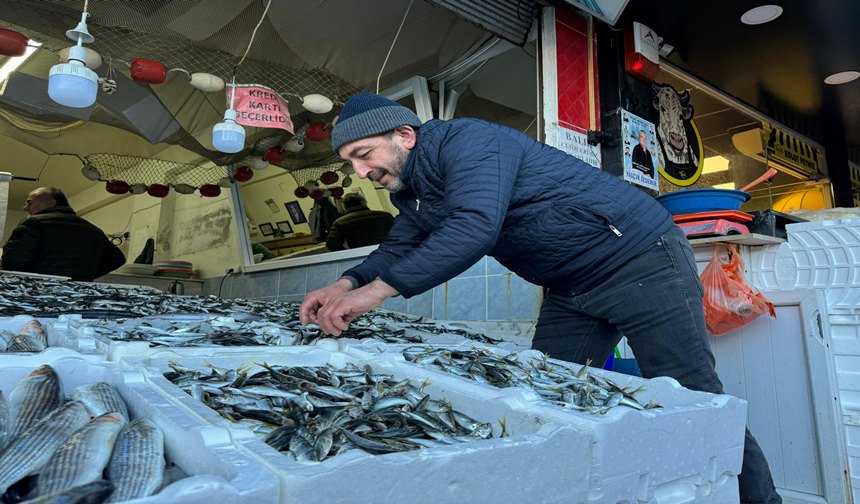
638,151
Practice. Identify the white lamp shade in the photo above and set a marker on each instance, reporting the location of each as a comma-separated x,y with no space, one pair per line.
225,182
228,136
73,85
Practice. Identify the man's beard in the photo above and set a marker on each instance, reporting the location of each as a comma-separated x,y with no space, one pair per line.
393,172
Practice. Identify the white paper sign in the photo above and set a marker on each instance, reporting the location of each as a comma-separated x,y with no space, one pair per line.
576,144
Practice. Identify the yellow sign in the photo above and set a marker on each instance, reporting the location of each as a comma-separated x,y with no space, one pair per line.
783,147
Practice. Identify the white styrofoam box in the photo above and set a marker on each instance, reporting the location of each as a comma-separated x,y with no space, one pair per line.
72,331
540,461
852,441
691,490
818,255
695,434
845,340
217,471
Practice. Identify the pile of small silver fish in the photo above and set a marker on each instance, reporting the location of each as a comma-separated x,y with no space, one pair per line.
42,296
558,384
315,413
81,448
217,331
31,337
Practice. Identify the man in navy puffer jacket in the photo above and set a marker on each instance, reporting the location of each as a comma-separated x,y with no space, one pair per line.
614,262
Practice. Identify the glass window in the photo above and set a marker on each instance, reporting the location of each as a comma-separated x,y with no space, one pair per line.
734,152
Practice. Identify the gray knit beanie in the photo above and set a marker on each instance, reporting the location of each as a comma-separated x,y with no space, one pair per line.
367,114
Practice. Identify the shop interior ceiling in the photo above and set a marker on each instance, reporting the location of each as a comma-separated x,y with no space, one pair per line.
330,47
777,67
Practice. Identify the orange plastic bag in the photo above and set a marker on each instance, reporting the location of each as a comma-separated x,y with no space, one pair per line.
730,302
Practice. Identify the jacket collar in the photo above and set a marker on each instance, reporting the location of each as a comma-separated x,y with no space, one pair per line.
57,209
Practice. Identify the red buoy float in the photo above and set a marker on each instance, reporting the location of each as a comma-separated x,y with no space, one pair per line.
12,43
148,71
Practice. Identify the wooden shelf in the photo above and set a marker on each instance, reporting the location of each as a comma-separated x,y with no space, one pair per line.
279,244
742,239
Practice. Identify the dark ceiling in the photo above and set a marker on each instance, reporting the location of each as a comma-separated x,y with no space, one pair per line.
777,68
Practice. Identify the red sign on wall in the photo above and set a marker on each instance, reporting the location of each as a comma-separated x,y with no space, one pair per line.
260,106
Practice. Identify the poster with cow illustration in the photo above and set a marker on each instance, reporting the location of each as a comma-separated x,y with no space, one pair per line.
679,145
639,145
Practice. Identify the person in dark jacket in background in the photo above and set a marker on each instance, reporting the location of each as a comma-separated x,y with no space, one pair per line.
55,241
466,188
359,226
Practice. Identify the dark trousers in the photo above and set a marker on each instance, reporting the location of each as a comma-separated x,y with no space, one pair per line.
655,300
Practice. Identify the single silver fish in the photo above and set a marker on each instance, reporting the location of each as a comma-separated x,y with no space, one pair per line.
83,456
29,452
37,394
137,464
100,398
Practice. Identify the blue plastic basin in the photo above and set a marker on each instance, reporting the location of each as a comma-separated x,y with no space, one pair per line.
703,200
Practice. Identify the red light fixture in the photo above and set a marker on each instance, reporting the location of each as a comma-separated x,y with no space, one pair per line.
157,190
148,71
12,43
116,186
243,174
210,190
301,192
317,132
641,52
317,194
337,192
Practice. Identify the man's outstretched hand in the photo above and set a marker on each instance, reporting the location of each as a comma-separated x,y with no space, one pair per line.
335,306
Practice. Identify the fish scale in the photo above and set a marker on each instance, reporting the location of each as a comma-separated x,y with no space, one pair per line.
29,452
136,466
37,394
83,456
100,398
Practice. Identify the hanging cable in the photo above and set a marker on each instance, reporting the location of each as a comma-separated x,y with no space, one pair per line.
253,34
379,77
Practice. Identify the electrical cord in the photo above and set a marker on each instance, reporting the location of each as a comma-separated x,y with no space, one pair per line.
221,285
379,77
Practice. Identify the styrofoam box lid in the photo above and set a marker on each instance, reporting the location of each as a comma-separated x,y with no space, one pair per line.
219,471
533,464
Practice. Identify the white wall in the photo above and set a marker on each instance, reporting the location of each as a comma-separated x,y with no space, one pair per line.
277,184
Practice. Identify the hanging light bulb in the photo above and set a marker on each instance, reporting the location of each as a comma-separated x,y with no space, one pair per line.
228,136
73,84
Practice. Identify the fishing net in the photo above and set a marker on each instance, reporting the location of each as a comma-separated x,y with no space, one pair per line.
139,170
